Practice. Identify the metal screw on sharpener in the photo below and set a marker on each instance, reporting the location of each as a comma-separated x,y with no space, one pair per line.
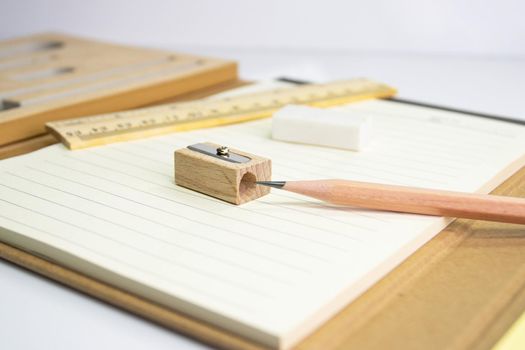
223,151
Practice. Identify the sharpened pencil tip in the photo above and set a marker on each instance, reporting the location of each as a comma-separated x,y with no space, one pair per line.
274,184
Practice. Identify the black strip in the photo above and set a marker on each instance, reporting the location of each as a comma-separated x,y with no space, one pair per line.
292,81
428,105
482,115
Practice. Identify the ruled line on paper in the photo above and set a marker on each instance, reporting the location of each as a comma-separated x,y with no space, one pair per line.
427,143
307,163
142,251
256,224
450,154
308,160
240,208
243,208
355,160
176,189
173,263
281,263
432,140
260,241
123,243
424,135
274,194
374,217
452,122
190,194
135,267
171,243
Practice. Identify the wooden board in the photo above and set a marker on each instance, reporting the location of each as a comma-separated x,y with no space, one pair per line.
461,290
53,76
26,145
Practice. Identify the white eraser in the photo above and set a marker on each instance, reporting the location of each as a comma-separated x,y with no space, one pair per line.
323,127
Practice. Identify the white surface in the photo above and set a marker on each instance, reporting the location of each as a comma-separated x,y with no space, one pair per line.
324,127
447,26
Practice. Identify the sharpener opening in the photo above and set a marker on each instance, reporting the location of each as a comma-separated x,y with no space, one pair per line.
247,186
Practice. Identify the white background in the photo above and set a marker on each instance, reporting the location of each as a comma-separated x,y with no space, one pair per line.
468,54
469,27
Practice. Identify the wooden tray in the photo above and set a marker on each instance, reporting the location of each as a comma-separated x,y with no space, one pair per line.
53,76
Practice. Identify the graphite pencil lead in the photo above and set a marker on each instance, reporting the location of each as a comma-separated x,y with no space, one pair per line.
275,184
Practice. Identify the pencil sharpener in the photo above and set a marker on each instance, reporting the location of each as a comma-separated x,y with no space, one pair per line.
221,172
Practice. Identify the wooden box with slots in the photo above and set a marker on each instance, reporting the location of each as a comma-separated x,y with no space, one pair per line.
50,77
222,173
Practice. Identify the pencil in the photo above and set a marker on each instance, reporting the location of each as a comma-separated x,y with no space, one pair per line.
409,199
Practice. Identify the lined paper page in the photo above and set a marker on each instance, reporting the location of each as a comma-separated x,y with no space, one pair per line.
271,269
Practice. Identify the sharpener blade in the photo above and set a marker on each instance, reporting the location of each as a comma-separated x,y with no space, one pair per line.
212,151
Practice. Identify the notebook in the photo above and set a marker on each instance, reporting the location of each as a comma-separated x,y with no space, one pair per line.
271,270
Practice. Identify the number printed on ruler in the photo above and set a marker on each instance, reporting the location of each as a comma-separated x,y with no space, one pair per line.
145,122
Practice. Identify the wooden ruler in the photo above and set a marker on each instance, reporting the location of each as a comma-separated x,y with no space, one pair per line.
146,122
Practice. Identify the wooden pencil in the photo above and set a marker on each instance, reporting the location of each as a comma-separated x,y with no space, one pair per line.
409,199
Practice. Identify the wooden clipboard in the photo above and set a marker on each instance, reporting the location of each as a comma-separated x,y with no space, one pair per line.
462,290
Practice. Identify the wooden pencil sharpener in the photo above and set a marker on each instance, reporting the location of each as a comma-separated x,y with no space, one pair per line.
223,173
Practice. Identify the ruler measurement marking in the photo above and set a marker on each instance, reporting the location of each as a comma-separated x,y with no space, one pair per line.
108,128
152,123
